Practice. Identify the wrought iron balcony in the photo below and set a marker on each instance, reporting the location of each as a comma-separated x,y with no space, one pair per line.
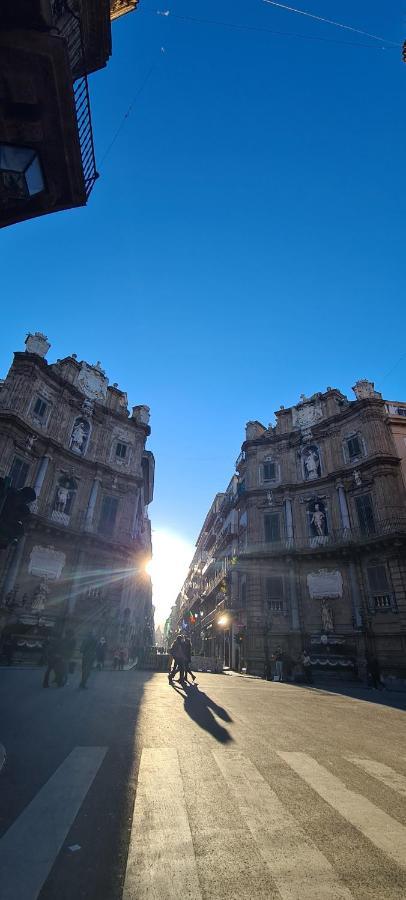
382,530
69,27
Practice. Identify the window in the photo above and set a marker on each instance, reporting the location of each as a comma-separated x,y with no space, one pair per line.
18,473
272,528
365,514
121,450
275,593
243,594
382,597
269,471
401,410
40,408
354,447
108,515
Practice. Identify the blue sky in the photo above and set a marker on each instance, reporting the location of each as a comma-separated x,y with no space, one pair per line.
245,241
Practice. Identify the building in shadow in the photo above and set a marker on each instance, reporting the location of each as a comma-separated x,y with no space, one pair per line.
47,50
67,432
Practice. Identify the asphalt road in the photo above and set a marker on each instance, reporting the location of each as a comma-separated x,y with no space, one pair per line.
234,790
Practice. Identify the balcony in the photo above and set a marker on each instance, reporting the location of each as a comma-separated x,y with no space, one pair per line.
46,117
340,538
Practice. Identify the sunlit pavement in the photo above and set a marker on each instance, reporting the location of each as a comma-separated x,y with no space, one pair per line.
238,788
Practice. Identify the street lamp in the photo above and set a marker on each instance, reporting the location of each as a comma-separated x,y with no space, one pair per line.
223,622
20,172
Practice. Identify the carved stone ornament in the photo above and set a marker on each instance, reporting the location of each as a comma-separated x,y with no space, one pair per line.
141,414
325,584
364,389
92,382
358,478
306,414
46,561
37,343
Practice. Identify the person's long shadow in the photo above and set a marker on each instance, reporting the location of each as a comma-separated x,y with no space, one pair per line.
199,707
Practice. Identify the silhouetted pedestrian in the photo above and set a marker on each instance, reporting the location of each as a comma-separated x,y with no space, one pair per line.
178,656
187,653
88,650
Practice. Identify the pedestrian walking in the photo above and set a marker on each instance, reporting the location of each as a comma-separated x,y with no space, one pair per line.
101,653
64,664
88,651
8,649
177,654
187,653
307,667
53,660
116,657
374,672
121,659
278,676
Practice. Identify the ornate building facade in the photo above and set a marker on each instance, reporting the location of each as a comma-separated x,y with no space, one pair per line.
68,433
307,547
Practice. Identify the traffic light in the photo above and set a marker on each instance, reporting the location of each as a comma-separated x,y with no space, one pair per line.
404,51
14,511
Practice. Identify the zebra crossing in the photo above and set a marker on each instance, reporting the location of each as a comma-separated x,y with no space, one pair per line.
163,858
161,854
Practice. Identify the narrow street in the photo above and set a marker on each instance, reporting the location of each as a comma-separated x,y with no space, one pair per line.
236,789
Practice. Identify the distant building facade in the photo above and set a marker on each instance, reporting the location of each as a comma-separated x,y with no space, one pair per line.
68,433
316,552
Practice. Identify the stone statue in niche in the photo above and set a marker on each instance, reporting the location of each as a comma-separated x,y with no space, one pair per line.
311,463
40,595
318,519
79,436
62,496
326,616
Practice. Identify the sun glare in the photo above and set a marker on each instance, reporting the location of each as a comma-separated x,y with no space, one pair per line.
171,556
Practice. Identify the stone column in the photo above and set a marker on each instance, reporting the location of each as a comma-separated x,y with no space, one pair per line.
342,499
91,504
15,562
39,480
289,519
135,516
294,605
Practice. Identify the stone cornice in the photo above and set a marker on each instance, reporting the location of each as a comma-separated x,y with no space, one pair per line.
372,405
54,449
379,464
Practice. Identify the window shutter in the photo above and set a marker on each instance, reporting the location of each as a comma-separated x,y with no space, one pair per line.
269,471
272,528
108,515
378,579
354,447
274,587
18,473
365,513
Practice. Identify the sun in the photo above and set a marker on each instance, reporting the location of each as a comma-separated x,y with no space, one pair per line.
171,557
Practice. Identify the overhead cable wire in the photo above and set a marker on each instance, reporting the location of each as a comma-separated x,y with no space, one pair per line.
309,15
257,28
128,113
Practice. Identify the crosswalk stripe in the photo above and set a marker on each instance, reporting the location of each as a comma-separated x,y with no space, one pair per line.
381,772
384,832
299,869
30,846
161,859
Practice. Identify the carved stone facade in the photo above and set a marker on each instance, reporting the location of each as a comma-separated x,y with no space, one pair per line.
324,563
307,549
68,433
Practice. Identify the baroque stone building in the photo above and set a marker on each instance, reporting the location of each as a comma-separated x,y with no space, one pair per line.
68,433
306,548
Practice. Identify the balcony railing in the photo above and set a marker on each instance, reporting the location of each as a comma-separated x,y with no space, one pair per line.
336,538
68,26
